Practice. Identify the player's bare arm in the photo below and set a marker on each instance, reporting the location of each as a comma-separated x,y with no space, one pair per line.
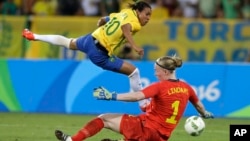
126,29
200,108
102,21
102,93
132,96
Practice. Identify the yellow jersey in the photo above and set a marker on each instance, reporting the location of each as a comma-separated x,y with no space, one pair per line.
110,35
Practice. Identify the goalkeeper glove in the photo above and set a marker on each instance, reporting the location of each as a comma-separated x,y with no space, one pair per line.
101,93
208,115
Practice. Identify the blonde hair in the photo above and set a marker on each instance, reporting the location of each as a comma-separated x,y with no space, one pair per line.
169,62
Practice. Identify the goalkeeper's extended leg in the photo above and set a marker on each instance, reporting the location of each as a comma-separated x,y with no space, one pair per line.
52,39
62,136
88,130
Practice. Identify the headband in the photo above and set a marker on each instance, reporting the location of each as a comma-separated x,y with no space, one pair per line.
162,65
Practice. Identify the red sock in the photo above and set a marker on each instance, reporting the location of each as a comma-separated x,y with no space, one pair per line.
90,129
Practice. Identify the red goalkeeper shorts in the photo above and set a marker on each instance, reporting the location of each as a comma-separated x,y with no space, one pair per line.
133,130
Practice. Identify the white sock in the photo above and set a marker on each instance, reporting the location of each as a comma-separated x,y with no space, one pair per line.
135,85
54,39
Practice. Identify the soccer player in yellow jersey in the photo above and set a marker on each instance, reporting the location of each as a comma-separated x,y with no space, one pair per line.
99,46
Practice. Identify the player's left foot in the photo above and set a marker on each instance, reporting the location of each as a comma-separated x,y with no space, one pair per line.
62,136
28,34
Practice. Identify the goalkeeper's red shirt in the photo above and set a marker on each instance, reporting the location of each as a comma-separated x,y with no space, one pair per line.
168,102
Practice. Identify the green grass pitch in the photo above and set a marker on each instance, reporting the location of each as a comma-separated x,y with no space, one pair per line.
40,127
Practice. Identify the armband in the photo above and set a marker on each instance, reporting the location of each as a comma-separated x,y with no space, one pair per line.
107,19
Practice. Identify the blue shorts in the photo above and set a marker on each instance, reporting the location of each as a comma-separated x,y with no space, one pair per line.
100,58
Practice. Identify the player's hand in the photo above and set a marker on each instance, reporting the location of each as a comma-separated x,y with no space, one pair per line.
208,115
101,22
101,93
139,51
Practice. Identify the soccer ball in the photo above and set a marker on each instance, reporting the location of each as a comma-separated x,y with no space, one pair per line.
194,125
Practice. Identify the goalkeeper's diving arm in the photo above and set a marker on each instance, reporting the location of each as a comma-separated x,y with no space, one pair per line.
201,109
131,96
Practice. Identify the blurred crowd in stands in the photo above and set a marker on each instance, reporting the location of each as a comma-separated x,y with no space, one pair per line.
229,9
162,9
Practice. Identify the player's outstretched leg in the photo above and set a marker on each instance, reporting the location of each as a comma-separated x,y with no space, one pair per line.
62,136
58,40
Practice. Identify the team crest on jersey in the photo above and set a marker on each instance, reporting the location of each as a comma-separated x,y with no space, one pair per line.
111,59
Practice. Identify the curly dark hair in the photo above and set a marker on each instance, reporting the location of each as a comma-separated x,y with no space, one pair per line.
139,5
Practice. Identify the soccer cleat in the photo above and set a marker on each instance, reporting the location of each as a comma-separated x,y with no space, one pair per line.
61,136
28,34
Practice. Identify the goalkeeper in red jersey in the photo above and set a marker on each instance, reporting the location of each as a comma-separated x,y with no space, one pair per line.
99,46
169,98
